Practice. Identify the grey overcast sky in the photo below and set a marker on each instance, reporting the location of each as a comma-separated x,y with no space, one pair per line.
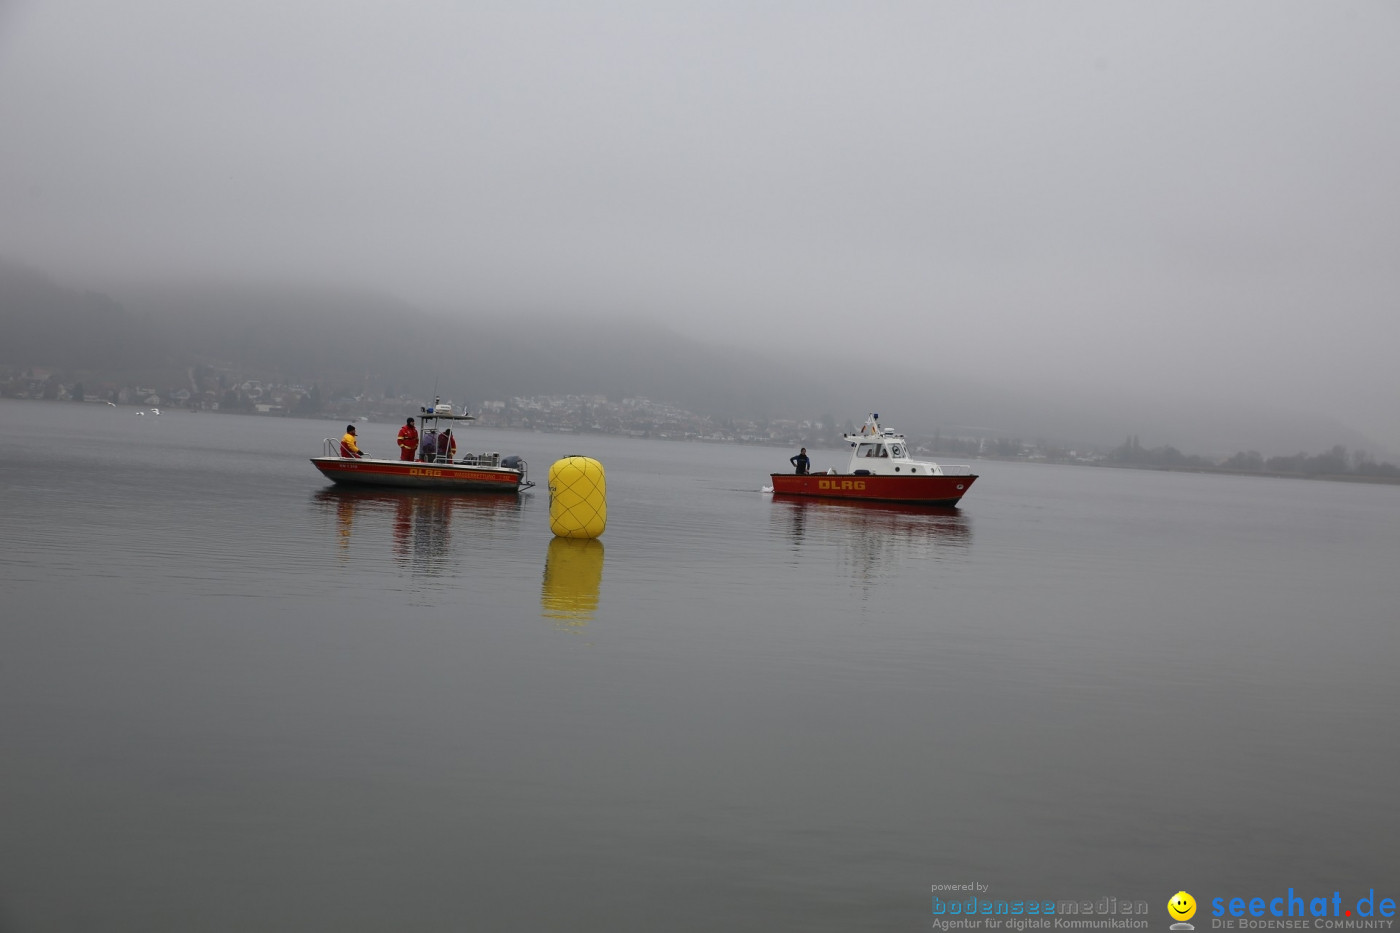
1196,197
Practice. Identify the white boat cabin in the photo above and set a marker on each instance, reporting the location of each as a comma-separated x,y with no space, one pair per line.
881,452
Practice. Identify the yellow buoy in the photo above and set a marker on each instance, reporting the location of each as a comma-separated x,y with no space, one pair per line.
573,569
578,498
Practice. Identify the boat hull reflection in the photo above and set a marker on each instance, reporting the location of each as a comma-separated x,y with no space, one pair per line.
875,538
419,524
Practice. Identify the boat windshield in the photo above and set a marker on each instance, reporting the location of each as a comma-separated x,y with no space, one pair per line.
896,450
868,450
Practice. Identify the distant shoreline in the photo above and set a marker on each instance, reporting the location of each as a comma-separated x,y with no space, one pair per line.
1326,477
323,416
1330,477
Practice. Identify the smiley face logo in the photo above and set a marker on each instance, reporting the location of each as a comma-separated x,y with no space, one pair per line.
1182,906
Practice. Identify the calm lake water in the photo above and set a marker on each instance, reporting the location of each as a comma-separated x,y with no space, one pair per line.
234,698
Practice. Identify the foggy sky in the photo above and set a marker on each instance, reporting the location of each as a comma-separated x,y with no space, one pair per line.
1189,199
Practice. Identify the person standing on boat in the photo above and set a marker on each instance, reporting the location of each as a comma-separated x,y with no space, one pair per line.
801,463
408,441
446,446
348,447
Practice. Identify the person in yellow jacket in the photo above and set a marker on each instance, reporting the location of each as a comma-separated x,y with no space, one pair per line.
348,447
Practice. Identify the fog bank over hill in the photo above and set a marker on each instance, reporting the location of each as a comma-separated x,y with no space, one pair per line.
364,341
477,356
374,341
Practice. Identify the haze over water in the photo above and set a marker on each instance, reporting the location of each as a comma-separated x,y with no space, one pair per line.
233,697
1145,213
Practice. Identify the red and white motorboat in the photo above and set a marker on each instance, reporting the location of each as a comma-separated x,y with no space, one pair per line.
881,470
479,472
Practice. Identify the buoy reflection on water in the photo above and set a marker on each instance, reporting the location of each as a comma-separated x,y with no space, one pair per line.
573,573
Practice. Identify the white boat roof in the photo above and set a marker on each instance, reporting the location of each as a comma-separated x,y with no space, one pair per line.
431,416
871,431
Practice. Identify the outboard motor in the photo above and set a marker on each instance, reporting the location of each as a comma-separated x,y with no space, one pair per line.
512,462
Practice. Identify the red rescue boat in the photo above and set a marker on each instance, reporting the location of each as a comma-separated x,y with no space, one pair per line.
472,472
881,470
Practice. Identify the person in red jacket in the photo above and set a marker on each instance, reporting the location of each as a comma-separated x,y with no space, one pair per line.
446,447
348,447
408,440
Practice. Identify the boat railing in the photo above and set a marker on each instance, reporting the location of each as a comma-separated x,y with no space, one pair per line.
330,447
956,469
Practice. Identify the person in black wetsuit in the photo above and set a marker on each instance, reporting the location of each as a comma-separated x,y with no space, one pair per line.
801,463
